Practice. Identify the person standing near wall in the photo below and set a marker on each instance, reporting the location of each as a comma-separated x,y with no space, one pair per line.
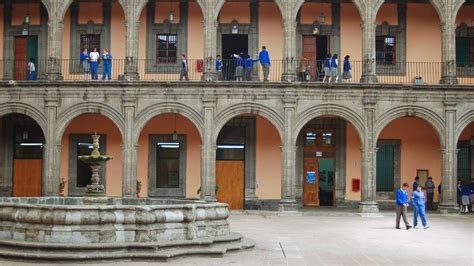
249,67
327,68
107,67
218,67
416,183
334,68
184,68
471,188
418,201
402,204
430,186
440,194
31,69
85,62
465,198
264,58
346,69
94,62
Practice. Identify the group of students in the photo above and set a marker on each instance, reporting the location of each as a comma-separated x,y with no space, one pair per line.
418,202
330,69
90,63
465,196
244,65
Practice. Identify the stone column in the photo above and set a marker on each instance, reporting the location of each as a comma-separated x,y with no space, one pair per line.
51,159
369,74
288,177
449,162
133,10
208,151
289,51
368,203
129,182
210,43
336,29
448,50
253,35
55,47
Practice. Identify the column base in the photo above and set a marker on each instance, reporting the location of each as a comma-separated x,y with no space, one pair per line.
451,80
130,76
448,208
368,207
289,77
369,79
54,76
288,206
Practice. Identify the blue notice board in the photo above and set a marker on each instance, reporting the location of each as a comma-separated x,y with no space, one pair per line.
310,177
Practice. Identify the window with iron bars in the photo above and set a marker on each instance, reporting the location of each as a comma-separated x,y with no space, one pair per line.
464,164
386,47
385,168
465,51
166,48
90,41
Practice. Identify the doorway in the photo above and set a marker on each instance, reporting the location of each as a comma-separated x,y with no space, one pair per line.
232,44
26,47
315,50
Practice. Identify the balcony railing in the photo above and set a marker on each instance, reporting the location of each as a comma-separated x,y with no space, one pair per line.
305,71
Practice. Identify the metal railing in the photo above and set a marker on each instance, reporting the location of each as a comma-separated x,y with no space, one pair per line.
234,70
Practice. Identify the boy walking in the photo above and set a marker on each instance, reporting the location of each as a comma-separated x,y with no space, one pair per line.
418,201
402,204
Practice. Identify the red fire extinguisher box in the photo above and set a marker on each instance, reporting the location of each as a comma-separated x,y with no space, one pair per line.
355,184
200,65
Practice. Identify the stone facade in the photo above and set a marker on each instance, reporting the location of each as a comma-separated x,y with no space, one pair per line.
209,106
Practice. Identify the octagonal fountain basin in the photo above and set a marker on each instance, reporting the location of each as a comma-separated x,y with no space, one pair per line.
55,228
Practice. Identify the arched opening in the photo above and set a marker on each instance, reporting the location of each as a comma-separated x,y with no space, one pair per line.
76,140
21,156
93,25
465,43
243,28
248,163
403,33
328,163
407,147
169,157
465,156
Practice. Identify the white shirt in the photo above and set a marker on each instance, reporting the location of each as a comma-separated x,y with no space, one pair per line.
31,67
94,56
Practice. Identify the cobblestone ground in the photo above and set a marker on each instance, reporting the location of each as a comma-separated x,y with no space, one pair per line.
340,240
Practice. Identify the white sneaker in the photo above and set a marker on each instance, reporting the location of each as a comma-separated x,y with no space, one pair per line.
426,227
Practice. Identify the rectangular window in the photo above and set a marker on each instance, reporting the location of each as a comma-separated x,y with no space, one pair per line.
385,168
231,143
83,170
166,48
465,51
90,41
167,164
29,142
386,47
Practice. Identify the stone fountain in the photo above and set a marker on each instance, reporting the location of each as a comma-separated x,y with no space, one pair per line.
94,160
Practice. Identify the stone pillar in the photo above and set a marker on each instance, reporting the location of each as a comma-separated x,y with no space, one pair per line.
449,162
208,151
129,182
55,47
210,44
288,178
336,30
289,51
369,74
133,10
51,160
448,50
253,35
368,203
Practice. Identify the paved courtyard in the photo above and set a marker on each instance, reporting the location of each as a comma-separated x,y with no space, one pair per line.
332,239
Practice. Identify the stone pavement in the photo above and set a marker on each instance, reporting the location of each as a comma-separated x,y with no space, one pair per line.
340,240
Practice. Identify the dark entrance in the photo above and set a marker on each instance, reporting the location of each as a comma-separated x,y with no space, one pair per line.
26,47
232,44
315,49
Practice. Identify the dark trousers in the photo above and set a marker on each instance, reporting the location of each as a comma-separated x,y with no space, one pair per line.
401,212
429,199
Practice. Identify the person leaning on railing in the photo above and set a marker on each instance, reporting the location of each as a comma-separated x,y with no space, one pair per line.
85,62
249,67
106,57
264,58
184,68
94,62
218,67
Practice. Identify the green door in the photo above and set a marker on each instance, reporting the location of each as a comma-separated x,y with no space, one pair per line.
326,182
462,51
385,168
32,48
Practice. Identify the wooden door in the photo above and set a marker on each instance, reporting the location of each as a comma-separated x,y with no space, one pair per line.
27,177
21,50
230,180
309,52
310,182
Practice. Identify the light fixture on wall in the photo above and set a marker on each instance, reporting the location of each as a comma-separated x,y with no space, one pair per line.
26,20
234,29
322,17
316,29
175,133
171,14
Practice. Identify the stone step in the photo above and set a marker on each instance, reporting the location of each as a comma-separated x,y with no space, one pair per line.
69,252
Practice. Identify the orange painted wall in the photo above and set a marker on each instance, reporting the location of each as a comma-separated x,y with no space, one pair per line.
465,15
162,10
351,33
88,124
467,133
268,160
423,34
353,161
388,13
90,12
195,32
310,12
270,30
19,11
420,147
164,124
239,11
117,31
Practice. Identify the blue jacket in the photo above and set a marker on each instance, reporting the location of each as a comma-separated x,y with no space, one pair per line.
402,197
415,185
240,62
347,65
327,62
84,57
465,191
333,63
264,57
418,199
218,65
107,58
249,62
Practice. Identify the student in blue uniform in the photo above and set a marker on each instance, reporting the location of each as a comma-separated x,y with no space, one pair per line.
418,202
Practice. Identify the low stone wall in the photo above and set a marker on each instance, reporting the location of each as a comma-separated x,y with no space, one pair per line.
109,220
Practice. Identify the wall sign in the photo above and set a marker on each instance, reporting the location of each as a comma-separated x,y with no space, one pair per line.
310,177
